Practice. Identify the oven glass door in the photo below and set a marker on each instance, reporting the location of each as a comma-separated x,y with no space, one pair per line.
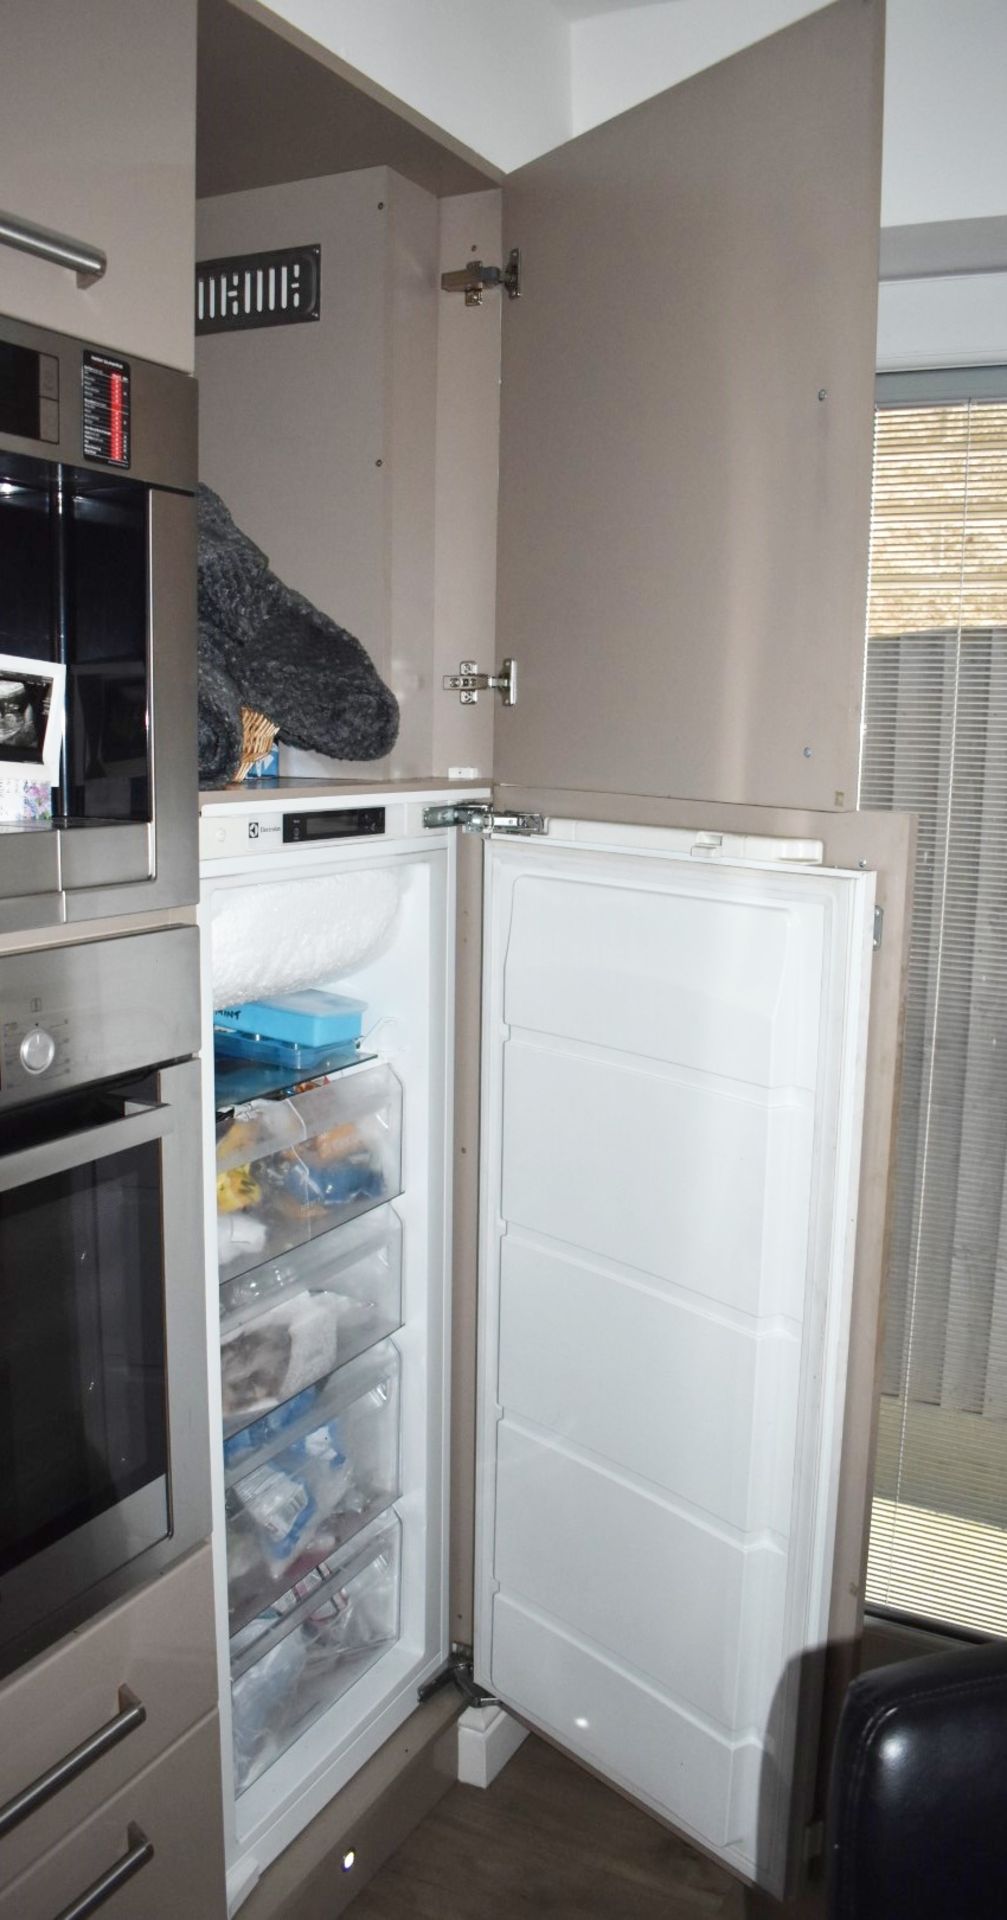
83,1393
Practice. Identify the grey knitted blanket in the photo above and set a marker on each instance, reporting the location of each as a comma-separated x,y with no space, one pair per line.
220,730
262,645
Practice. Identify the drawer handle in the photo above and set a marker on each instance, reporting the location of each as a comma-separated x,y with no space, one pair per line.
132,1713
140,1850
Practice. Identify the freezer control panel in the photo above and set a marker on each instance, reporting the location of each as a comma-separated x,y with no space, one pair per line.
234,832
348,823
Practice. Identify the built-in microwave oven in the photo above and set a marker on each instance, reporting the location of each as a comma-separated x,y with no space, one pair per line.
97,632
104,1448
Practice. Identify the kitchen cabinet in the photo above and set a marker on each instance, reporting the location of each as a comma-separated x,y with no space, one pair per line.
154,1651
97,138
685,407
155,1847
675,1076
686,430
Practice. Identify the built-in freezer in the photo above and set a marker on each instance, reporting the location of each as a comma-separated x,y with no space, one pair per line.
328,1253
672,1069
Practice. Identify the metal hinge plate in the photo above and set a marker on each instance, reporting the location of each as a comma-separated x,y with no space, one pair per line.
473,279
468,683
458,1673
879,928
475,817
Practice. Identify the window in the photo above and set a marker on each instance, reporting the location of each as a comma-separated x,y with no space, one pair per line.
935,743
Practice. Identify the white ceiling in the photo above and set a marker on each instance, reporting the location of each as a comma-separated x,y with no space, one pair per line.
510,79
589,9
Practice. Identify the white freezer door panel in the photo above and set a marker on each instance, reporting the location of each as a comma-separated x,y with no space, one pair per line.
567,1524
637,1392
620,1724
672,1091
590,1140
732,968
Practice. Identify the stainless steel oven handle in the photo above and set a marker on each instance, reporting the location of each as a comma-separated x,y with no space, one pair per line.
132,1714
140,1851
87,262
137,1126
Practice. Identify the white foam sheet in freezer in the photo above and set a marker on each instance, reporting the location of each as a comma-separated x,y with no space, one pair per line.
672,1093
281,935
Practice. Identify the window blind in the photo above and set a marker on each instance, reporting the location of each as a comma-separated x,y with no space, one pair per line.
935,743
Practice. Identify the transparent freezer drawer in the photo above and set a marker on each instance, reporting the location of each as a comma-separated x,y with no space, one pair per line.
289,1170
289,1324
297,1499
291,1663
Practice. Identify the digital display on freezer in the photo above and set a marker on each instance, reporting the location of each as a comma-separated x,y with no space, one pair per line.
348,824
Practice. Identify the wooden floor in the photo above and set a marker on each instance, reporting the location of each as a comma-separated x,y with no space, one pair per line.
545,1839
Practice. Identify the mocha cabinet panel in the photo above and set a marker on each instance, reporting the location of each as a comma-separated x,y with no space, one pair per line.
686,425
98,142
169,1822
160,1646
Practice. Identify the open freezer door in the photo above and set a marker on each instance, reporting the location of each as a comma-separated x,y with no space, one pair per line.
674,1048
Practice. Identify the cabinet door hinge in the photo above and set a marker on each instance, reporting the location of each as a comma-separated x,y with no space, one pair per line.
469,682
475,817
458,1673
879,928
473,279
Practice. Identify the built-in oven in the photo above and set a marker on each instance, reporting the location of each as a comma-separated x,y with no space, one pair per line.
97,632
103,1424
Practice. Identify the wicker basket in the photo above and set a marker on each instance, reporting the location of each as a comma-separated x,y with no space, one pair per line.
259,734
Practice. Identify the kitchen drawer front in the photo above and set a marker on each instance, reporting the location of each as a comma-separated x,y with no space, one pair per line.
175,1808
159,1644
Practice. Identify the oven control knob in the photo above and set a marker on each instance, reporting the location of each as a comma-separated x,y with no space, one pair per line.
38,1050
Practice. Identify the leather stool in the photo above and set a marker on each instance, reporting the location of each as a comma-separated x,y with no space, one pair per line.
917,1826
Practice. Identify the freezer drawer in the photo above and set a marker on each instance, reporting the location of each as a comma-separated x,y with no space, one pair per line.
289,1170
158,1645
303,1493
296,1659
288,1324
166,1824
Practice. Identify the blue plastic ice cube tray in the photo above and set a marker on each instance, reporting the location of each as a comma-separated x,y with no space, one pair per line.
308,1019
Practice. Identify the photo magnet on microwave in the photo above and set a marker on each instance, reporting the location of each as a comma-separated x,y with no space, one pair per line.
32,698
